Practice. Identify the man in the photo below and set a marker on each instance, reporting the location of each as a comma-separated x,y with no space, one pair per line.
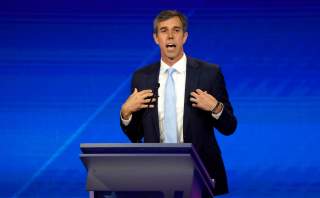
199,99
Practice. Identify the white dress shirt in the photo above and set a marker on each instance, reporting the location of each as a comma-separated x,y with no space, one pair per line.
179,78
180,81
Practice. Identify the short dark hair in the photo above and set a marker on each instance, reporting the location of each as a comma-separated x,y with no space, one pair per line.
168,14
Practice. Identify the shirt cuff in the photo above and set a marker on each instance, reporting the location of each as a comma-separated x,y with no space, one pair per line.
125,122
217,115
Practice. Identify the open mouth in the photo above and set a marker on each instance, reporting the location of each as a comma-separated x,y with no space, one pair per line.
171,46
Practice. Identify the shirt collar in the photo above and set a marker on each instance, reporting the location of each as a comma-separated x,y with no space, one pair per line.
180,65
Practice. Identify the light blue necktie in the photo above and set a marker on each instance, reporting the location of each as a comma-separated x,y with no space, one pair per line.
170,114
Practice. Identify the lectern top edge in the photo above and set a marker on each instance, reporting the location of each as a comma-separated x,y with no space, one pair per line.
135,148
135,145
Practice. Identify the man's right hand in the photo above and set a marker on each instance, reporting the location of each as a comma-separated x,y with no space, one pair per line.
137,101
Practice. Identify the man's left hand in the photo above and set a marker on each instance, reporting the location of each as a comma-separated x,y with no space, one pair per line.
202,100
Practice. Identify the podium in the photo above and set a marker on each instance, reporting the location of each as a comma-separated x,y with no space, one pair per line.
145,170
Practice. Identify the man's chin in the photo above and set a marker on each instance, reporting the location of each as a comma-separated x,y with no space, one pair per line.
172,56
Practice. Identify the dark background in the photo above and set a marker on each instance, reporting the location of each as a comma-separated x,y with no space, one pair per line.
65,69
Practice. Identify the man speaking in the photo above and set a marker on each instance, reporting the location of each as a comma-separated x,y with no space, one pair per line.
180,99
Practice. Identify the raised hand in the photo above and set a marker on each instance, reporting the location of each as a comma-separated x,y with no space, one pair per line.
202,100
136,101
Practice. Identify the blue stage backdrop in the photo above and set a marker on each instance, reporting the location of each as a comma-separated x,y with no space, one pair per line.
65,69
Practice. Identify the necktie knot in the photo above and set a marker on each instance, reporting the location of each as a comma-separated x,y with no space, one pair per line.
171,71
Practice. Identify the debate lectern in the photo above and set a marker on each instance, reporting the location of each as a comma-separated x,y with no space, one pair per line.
145,170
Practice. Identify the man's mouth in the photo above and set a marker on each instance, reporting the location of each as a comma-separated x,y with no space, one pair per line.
171,46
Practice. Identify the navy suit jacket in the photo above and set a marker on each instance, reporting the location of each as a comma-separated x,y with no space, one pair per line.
198,125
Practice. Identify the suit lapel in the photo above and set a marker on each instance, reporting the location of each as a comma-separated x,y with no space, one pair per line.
191,85
152,83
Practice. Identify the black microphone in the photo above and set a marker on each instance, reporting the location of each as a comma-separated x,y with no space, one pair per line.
155,94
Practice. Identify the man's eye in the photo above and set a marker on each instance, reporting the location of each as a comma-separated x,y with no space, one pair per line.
163,30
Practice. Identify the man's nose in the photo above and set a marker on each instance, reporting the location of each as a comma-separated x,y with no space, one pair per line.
170,35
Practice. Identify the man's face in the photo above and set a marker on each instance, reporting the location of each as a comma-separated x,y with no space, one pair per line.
170,38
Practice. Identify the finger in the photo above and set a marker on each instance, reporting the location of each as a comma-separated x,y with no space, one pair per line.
146,95
193,99
194,105
146,106
145,91
194,94
199,91
149,100
135,90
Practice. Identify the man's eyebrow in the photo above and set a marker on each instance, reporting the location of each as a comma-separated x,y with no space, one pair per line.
174,27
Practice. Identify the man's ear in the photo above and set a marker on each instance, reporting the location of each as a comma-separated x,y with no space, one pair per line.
185,36
155,38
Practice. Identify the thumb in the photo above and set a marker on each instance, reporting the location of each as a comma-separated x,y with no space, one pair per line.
135,90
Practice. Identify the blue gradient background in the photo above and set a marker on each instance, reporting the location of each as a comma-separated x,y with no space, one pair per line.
65,69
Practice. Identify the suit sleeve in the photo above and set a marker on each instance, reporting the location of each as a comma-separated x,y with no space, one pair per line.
134,130
227,122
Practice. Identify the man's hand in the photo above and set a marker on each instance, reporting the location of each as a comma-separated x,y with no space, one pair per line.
137,101
202,100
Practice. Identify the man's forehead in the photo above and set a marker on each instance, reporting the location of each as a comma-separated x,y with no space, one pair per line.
172,22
